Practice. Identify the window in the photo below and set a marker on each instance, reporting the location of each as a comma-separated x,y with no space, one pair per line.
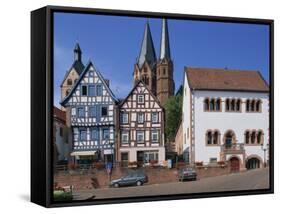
260,137
212,105
103,111
206,104
209,137
253,105
61,131
140,117
218,105
94,134
84,90
124,118
140,136
238,105
141,98
154,117
99,90
253,137
154,136
81,112
247,105
213,160
105,134
247,137
164,71
91,90
258,106
75,80
83,134
216,138
124,159
125,137
69,81
92,111
227,105
232,105
67,92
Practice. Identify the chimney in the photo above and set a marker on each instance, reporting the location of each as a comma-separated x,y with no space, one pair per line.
106,82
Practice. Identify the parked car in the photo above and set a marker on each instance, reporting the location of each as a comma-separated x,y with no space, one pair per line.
187,174
130,180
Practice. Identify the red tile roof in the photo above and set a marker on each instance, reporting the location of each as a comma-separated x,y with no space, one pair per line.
225,79
59,114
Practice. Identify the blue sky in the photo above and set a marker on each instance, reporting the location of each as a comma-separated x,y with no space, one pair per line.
113,43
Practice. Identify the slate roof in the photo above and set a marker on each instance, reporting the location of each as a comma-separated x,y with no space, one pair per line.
225,79
165,45
147,52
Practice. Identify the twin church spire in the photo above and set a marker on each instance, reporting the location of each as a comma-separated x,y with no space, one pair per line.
157,74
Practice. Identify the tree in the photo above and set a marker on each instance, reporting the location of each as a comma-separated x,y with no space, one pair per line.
173,114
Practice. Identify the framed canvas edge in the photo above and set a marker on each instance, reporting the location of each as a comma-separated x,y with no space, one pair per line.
49,101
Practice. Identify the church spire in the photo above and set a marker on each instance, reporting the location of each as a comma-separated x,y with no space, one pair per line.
77,53
147,52
165,45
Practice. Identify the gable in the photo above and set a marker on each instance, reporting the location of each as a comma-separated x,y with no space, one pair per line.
90,77
140,89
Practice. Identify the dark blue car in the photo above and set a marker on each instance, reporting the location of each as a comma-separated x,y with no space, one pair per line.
131,179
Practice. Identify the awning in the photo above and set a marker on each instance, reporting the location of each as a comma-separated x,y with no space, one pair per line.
83,153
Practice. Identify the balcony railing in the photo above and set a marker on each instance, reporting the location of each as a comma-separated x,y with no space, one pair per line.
234,147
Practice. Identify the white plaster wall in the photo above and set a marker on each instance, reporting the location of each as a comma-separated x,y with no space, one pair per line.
186,115
133,152
223,121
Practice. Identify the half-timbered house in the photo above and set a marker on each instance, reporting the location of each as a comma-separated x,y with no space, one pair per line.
141,127
91,109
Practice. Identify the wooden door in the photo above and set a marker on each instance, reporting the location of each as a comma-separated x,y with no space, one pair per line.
234,164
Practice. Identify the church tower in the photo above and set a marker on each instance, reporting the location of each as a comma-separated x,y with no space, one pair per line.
165,68
72,75
145,67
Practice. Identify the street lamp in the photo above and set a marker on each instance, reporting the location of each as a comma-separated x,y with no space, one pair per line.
264,149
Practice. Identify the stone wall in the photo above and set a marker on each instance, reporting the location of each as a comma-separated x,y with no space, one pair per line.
84,180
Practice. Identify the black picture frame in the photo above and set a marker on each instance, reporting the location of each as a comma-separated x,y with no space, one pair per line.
42,102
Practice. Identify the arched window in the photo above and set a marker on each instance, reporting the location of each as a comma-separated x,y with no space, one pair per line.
145,69
216,137
69,81
258,106
218,105
233,105
212,105
238,105
164,71
248,105
209,137
67,92
227,105
247,137
253,137
229,139
206,104
253,105
260,137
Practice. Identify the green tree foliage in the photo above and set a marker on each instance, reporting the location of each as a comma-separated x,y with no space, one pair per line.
173,113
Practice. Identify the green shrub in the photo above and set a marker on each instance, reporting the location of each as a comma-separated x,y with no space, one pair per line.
62,196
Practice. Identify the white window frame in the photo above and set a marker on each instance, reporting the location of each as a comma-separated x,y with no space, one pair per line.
141,96
155,114
138,117
154,132
122,118
125,133
140,133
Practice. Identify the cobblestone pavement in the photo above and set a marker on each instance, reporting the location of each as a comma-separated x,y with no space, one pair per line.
249,180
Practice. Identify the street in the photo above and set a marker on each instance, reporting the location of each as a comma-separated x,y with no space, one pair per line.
249,180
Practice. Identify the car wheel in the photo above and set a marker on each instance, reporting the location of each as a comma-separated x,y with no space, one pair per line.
139,183
116,185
